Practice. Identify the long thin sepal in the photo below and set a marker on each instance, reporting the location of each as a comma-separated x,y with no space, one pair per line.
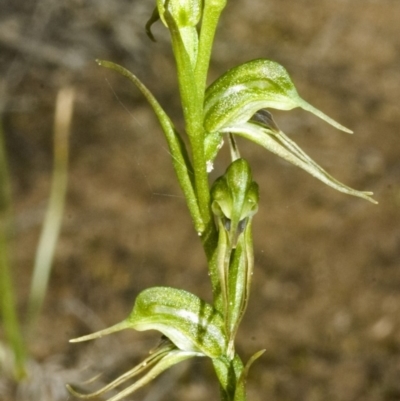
125,324
165,363
137,370
282,146
171,358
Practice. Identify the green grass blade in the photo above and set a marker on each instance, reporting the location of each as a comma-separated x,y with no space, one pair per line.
7,299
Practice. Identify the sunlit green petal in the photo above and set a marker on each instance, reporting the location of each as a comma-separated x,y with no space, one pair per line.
243,90
189,322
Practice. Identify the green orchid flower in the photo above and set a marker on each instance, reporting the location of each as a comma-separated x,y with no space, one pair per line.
190,326
235,103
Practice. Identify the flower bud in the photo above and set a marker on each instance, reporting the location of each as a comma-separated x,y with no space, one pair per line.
186,13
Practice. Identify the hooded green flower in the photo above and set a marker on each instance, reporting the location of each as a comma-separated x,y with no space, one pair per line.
235,103
190,328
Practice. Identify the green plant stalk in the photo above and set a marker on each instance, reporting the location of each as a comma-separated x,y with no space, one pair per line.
211,14
8,306
193,107
230,388
53,219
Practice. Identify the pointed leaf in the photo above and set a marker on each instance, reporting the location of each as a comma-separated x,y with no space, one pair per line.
177,148
245,372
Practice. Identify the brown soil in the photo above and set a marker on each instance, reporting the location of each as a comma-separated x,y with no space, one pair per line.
326,296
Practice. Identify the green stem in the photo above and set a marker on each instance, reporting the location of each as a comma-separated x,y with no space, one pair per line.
8,306
192,107
192,81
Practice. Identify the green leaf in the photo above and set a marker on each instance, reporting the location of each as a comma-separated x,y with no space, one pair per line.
243,90
243,377
177,148
240,273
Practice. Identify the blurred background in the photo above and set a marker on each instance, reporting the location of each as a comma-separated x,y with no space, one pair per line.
326,295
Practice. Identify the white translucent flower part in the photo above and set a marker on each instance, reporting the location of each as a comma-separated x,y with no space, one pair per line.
165,356
265,132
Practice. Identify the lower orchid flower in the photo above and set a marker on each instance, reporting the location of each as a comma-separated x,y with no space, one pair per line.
190,328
